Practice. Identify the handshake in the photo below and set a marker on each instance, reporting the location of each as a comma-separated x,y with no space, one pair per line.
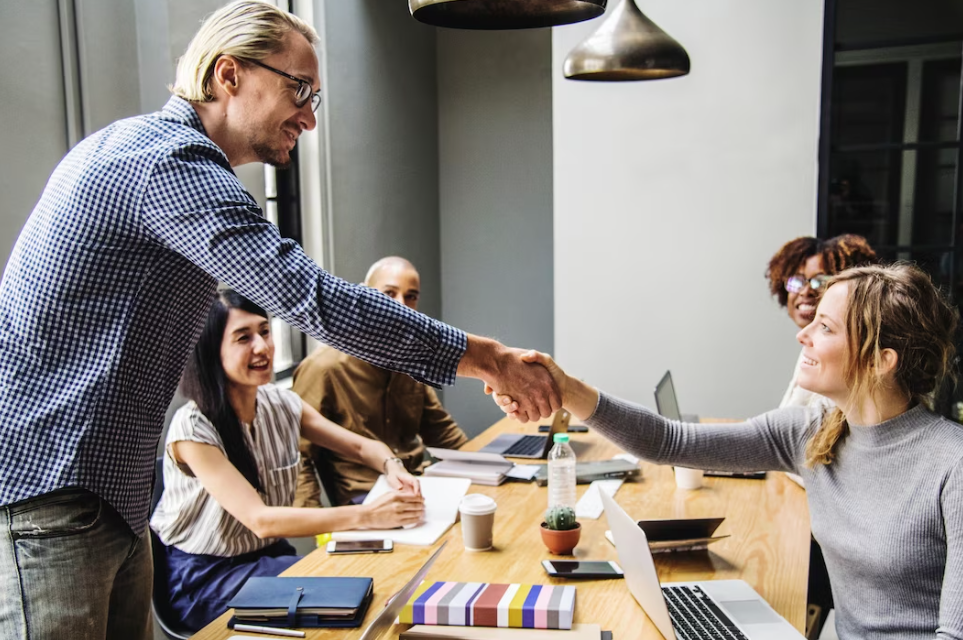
527,385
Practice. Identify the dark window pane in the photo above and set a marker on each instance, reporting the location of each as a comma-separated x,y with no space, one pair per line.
868,104
933,202
940,100
864,194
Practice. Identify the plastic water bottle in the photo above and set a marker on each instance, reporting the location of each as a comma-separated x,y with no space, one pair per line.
561,473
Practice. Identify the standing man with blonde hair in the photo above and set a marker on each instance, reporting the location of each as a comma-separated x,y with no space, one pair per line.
107,289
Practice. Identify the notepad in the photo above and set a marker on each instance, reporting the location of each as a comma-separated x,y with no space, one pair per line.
442,496
317,601
481,468
479,604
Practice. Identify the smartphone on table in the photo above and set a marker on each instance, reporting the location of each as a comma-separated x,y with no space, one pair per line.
572,428
598,569
359,546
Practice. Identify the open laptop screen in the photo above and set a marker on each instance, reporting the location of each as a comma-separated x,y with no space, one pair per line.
665,400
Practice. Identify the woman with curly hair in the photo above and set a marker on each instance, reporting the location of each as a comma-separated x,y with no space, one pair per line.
884,473
797,275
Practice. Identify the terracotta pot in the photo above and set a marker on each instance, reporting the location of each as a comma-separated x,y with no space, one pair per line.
561,543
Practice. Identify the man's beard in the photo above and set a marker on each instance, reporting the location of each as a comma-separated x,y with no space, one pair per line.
270,156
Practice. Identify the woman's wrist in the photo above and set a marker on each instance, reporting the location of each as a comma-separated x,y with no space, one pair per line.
582,398
384,465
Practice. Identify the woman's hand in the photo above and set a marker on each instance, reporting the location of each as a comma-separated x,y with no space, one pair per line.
399,479
394,509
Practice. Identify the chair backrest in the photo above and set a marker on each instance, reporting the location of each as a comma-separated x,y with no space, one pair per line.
166,619
324,474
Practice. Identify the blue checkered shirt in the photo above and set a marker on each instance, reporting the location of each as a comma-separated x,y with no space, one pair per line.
109,285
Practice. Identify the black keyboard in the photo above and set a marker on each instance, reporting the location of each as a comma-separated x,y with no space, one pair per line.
526,446
696,617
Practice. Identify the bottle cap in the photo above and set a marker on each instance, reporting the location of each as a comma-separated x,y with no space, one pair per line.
560,437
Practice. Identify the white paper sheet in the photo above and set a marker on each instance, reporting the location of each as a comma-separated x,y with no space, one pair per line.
442,496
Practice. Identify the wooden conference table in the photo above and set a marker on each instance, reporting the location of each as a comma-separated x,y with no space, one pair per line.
768,547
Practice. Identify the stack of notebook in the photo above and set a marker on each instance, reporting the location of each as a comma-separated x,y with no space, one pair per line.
302,602
491,605
481,468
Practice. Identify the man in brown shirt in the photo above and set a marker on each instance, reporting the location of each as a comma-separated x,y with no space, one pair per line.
372,402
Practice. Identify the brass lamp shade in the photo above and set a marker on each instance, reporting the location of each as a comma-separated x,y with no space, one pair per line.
627,46
504,14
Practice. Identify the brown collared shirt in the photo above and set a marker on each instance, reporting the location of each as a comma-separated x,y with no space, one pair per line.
375,403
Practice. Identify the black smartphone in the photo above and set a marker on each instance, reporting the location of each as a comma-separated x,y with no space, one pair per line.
572,428
599,569
359,546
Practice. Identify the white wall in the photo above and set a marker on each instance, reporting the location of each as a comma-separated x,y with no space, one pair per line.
672,195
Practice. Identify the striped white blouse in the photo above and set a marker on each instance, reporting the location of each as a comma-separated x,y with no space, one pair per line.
188,518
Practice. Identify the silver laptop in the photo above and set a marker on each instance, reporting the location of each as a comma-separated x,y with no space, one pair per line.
687,610
666,402
668,407
517,445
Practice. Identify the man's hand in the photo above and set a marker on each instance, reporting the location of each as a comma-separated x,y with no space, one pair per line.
578,397
504,371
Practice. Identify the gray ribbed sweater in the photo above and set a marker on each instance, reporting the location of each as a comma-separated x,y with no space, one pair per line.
888,512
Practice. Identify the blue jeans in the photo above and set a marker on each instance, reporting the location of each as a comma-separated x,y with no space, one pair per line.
70,567
202,585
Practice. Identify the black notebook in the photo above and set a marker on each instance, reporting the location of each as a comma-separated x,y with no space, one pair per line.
302,602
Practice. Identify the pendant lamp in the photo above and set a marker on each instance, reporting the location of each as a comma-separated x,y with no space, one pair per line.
504,14
627,46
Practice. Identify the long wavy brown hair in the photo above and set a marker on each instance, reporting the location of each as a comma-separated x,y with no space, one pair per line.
839,253
890,307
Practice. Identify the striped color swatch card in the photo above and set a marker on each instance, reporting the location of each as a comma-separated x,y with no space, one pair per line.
477,604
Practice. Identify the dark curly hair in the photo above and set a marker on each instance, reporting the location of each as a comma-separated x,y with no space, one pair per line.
839,253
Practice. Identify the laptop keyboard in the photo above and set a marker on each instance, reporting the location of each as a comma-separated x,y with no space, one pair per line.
526,446
696,617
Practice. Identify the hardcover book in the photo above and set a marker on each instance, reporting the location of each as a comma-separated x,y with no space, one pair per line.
491,605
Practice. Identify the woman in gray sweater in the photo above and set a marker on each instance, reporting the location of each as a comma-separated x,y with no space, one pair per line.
884,474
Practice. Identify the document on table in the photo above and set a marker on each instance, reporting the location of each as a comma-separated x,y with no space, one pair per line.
442,496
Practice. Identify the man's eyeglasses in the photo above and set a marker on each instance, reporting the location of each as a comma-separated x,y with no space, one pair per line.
795,284
303,93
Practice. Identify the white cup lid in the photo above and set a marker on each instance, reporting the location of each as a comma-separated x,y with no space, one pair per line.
477,504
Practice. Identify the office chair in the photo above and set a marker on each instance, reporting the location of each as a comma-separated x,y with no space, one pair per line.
324,474
166,619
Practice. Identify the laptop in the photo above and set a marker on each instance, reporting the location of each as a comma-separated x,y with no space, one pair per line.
666,402
386,619
688,610
668,407
517,445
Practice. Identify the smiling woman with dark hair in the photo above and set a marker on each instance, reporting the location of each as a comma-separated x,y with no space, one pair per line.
231,468
798,274
884,474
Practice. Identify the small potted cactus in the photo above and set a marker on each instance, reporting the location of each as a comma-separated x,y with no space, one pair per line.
560,531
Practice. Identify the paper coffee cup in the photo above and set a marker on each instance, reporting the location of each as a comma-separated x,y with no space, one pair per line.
688,478
477,521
